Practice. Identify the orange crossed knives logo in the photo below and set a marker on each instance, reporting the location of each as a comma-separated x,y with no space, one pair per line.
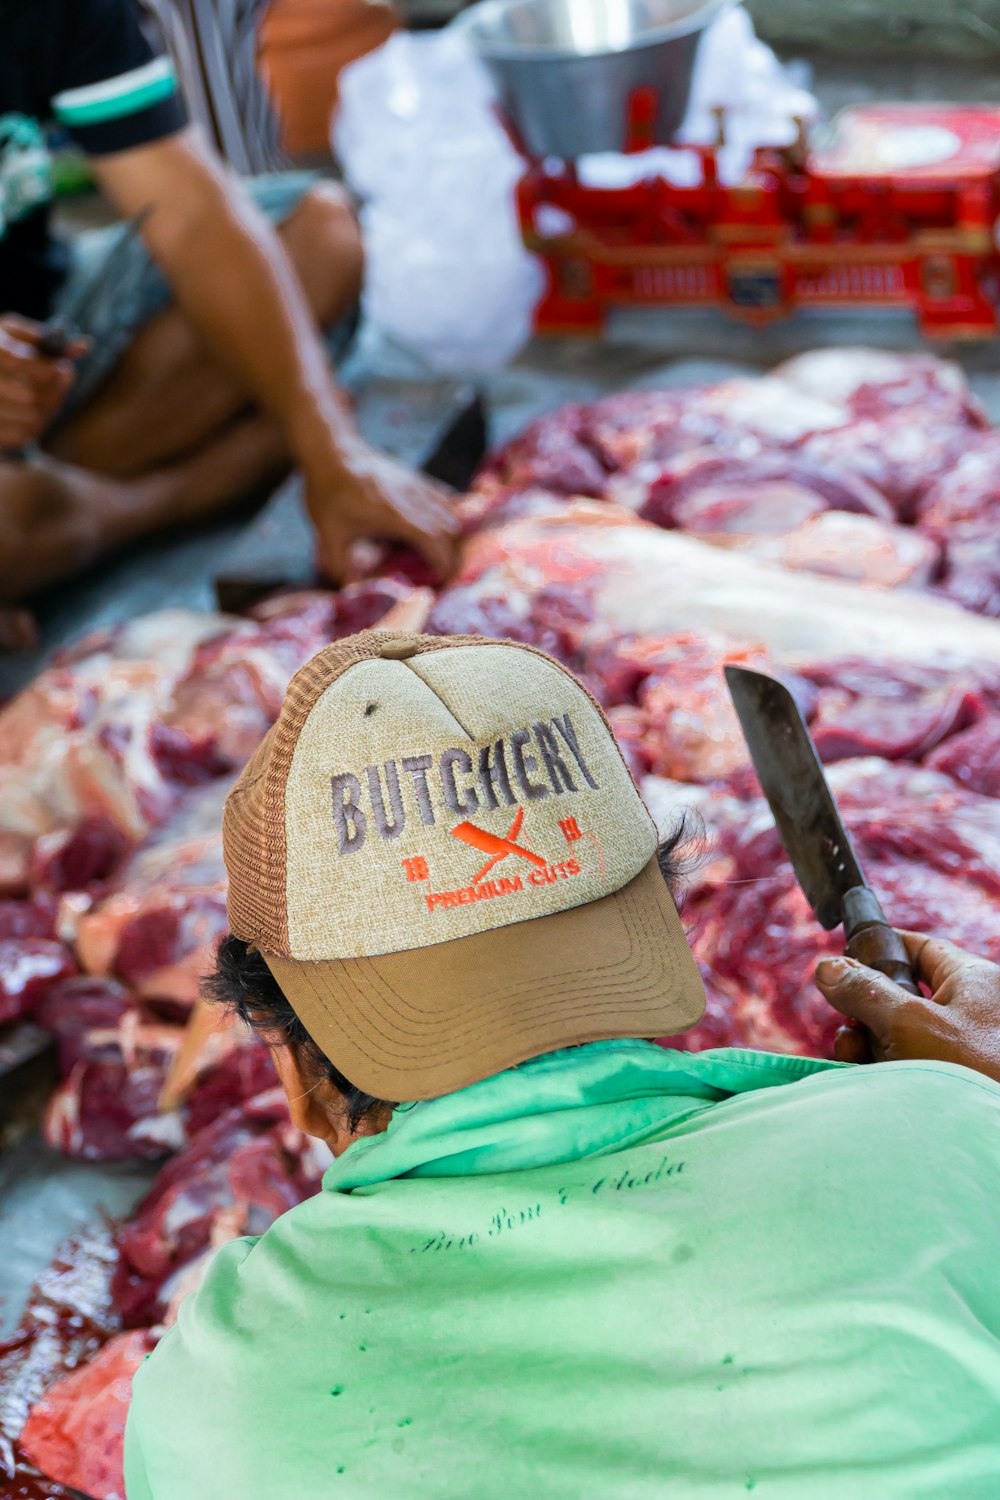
498,848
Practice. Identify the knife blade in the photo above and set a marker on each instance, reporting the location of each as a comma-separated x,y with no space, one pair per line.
62,330
809,822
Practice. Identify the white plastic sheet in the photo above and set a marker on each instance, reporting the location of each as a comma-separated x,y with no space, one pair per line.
447,273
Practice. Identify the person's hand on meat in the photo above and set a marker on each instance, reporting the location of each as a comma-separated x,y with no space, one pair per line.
32,385
958,1023
362,494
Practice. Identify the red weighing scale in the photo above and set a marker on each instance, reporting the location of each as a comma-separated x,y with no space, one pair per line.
896,206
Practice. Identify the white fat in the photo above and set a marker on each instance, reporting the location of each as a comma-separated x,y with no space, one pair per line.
72,906
182,1210
836,374
167,1130
840,544
62,1120
182,1282
169,636
666,799
774,410
662,583
851,776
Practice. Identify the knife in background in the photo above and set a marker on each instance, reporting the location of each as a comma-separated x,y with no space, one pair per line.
812,831
61,331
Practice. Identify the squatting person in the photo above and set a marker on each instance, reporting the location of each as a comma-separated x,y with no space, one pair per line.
551,1258
204,375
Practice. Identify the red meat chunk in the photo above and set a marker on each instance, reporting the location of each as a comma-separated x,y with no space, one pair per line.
68,1318
615,669
911,416
901,454
71,1008
631,427
707,491
682,725
553,453
242,1074
553,624
105,1109
75,744
33,918
931,852
962,512
249,1159
76,1432
75,859
691,731
114,1058
158,926
972,757
892,709
863,726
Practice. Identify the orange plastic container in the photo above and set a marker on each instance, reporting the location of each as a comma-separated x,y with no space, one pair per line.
303,46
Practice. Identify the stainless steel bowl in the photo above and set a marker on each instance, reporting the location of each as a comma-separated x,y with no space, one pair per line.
565,69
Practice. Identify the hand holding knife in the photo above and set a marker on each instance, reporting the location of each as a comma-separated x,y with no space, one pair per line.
810,825
60,336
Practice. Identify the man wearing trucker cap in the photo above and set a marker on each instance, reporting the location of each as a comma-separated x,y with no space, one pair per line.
552,1259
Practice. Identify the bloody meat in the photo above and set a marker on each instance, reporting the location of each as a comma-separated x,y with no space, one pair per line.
704,513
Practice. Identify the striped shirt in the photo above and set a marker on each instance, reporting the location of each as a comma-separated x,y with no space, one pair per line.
214,47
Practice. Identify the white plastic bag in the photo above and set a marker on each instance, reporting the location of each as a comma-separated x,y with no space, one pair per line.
447,273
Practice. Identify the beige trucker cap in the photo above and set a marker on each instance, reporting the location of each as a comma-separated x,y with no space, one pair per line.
421,804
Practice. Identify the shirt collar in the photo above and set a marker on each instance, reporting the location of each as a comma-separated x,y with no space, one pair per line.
579,1102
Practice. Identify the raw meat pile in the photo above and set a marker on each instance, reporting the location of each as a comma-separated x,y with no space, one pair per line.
65,1376
824,522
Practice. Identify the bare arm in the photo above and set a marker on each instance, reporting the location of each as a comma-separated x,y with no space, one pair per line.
230,277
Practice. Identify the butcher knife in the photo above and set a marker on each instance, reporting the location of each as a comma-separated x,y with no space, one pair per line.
60,332
812,831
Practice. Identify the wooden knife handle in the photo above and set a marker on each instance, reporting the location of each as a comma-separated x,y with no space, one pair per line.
873,942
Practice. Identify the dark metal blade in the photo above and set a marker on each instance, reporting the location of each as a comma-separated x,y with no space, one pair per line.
791,775
94,290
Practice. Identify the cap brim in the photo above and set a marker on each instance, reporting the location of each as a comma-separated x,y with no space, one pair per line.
422,1023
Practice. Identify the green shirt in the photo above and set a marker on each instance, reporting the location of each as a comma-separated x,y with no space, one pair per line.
614,1272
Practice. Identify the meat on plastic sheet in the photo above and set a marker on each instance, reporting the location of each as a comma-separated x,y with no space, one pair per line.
605,573
158,927
76,1433
76,745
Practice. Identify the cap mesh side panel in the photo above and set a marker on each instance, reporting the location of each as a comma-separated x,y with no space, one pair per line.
253,826
254,860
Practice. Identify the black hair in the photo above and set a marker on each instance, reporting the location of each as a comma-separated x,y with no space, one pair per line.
245,986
